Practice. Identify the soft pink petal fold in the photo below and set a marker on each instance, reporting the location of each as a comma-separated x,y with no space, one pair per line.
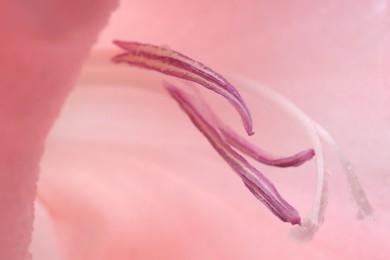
43,44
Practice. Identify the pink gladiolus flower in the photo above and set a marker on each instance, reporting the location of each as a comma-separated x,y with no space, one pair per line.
123,174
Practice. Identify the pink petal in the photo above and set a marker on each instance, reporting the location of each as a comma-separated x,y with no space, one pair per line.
40,58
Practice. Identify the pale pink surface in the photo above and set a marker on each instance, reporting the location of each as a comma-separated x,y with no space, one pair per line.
40,55
126,176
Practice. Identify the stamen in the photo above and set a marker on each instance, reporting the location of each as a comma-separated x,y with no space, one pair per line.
253,179
223,139
170,62
248,148
258,154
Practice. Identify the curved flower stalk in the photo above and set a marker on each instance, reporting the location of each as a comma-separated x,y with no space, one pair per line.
167,61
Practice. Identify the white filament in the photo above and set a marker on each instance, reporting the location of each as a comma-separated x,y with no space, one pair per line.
357,192
315,218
